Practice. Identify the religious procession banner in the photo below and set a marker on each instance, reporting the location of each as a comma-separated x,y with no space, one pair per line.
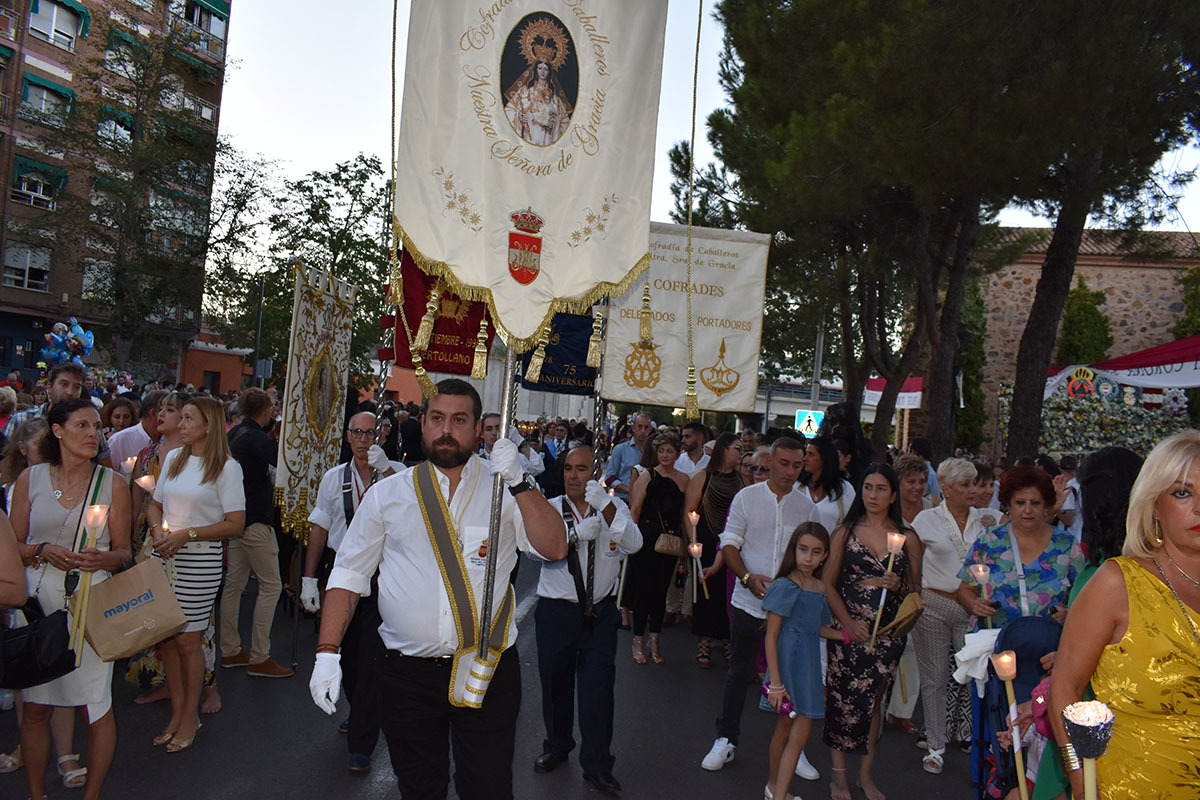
457,327
565,369
729,274
526,151
315,393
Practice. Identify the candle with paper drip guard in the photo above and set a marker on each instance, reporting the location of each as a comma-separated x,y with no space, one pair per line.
130,463
146,482
94,519
895,543
1005,664
696,549
1090,726
982,573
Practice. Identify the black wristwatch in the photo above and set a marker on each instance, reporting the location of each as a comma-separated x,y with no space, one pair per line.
524,486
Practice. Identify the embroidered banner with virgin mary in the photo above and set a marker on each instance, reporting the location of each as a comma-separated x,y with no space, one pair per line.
314,395
526,151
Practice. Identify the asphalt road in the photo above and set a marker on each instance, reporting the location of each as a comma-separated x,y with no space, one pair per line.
270,741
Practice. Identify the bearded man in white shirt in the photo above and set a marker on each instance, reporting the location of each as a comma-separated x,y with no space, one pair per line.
426,533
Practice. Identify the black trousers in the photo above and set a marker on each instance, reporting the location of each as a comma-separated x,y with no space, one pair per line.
569,651
418,719
361,650
746,634
646,583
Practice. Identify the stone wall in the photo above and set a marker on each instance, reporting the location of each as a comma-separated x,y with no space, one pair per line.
1144,300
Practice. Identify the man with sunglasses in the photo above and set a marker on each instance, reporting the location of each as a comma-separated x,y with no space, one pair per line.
342,489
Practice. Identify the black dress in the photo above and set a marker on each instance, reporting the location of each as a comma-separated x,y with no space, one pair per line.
649,573
856,677
709,616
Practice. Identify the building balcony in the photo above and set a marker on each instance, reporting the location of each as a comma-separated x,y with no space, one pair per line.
9,22
31,199
198,39
5,105
48,118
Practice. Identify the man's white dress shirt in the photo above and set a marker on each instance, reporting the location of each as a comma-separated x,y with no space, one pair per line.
613,543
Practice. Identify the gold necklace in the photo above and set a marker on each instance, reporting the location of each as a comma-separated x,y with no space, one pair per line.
1195,582
58,493
1187,617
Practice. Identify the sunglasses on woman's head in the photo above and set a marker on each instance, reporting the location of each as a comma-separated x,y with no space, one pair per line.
760,468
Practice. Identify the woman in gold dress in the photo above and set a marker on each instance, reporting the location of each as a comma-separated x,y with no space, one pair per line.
1134,631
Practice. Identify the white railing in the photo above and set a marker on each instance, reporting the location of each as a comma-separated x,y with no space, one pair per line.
51,118
31,199
199,39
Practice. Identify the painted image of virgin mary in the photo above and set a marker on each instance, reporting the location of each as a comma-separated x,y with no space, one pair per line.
535,103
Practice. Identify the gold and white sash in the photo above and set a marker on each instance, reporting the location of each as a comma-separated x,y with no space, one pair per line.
471,674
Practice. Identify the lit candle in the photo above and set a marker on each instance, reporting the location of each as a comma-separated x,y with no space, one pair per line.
94,517
130,463
1005,664
895,543
695,548
147,483
981,573
694,518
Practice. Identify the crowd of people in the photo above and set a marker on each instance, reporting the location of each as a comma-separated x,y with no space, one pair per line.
830,584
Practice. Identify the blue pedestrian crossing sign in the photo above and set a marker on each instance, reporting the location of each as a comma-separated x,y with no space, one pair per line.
809,422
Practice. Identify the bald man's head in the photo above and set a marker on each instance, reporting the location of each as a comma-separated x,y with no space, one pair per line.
360,433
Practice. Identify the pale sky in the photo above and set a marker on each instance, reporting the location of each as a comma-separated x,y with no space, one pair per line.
310,87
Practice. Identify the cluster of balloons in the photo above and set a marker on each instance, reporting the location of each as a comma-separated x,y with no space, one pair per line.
67,341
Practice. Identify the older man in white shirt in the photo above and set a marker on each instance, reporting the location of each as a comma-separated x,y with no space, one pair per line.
426,533
126,444
577,622
760,524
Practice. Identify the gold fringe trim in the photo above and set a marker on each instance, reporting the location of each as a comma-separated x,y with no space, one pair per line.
595,353
479,294
645,316
533,373
691,400
425,332
479,365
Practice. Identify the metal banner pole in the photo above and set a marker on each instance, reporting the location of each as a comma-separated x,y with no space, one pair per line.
508,406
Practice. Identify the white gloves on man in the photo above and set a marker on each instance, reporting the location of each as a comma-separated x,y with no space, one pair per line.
326,681
596,495
378,459
589,529
310,598
506,462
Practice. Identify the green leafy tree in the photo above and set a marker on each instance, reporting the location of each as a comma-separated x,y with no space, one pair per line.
1085,335
969,420
334,220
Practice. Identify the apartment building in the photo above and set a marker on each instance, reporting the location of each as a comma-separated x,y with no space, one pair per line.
61,61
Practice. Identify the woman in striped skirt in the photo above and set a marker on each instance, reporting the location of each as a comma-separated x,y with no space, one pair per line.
198,503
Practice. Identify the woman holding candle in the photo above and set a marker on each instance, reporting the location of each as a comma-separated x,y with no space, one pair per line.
146,669
1032,564
947,532
1134,632
708,496
198,503
656,502
47,516
863,563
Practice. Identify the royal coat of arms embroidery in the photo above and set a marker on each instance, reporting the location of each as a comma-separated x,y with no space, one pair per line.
525,248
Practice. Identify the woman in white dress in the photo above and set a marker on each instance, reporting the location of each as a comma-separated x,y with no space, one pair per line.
47,504
198,503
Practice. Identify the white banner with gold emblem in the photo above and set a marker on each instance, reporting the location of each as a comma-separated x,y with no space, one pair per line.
729,274
315,393
526,150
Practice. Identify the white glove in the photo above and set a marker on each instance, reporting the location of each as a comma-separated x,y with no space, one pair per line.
589,529
506,462
378,459
596,495
326,681
310,599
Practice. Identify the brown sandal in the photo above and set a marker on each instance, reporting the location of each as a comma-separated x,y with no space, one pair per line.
655,656
704,653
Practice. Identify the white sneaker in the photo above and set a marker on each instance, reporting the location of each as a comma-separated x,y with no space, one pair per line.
806,770
720,755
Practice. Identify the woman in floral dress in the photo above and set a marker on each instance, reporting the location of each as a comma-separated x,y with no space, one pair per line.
855,576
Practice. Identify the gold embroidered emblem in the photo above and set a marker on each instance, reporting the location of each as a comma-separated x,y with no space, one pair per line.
643,367
720,378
